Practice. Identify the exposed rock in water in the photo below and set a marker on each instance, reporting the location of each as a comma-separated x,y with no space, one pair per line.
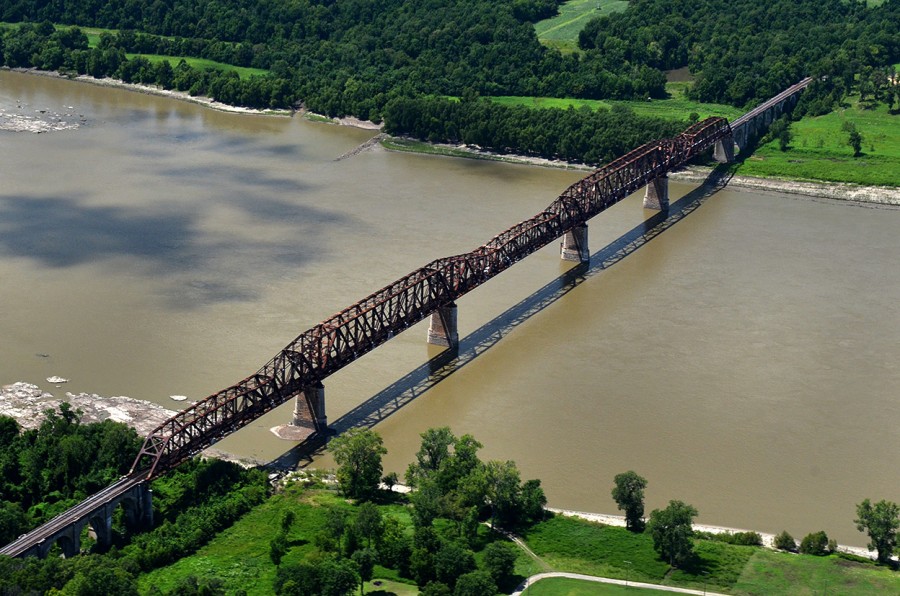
27,403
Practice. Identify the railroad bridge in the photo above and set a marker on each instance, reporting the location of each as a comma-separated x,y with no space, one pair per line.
297,372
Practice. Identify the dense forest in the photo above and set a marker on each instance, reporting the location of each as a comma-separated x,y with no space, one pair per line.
404,61
746,50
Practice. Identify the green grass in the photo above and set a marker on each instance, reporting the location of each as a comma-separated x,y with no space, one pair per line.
564,586
93,35
568,544
819,150
577,546
386,587
770,572
676,107
203,64
562,30
239,556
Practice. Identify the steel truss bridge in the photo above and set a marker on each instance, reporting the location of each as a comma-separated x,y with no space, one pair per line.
298,370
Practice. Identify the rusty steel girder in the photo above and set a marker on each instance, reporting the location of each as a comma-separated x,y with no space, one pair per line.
363,326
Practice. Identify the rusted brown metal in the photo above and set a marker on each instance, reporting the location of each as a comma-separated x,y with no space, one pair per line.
363,326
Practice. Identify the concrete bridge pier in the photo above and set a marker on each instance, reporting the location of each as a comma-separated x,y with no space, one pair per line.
442,328
574,245
723,150
657,195
313,400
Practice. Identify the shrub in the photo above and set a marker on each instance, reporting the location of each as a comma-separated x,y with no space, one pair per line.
815,543
739,538
785,541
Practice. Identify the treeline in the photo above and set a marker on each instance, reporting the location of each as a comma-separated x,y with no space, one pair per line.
583,135
744,51
42,46
351,57
46,470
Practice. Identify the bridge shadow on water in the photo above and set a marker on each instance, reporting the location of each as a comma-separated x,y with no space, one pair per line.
404,390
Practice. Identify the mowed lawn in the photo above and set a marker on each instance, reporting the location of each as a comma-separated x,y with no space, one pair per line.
820,150
562,30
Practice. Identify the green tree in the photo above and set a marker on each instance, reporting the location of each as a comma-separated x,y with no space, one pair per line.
815,543
785,541
278,547
672,532
502,491
629,495
854,138
500,561
436,589
452,561
881,522
435,448
476,583
365,560
339,577
369,523
358,456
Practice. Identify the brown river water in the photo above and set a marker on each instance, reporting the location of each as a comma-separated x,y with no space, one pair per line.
743,360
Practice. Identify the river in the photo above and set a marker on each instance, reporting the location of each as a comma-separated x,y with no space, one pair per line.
745,360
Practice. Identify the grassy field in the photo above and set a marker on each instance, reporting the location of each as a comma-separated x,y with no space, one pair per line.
239,556
562,30
676,107
568,544
202,64
819,150
93,35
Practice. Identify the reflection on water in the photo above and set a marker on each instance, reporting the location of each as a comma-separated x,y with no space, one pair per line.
744,361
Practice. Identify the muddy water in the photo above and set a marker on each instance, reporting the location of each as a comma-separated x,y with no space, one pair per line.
744,360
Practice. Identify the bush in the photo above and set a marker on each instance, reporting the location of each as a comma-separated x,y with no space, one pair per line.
815,543
785,541
739,538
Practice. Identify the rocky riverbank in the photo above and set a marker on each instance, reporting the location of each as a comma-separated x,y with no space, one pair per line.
27,403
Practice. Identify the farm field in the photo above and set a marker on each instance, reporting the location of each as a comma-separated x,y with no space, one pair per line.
562,30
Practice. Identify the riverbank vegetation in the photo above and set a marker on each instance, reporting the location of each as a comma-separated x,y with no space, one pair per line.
221,529
819,148
347,58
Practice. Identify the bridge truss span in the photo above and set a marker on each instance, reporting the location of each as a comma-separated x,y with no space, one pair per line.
365,325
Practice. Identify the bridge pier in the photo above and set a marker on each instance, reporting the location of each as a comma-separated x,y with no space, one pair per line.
723,150
442,327
657,195
574,245
314,398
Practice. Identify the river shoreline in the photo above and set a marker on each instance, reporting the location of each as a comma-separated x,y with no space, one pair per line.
27,402
874,195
